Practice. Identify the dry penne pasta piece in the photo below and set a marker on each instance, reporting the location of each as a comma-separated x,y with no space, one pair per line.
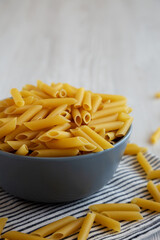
6,147
157,95
4,120
123,215
3,115
123,130
155,136
147,204
152,189
133,149
111,97
107,222
68,229
78,132
47,122
153,174
96,101
16,110
107,112
57,110
55,152
17,97
23,150
17,144
87,101
110,118
79,97
144,163
12,135
114,207
8,127
2,223
41,114
25,93
52,91
52,227
29,87
13,235
71,91
29,114
35,144
110,136
96,137
102,133
27,135
54,134
76,116
62,93
86,116
9,101
88,147
62,127
86,226
73,142
123,116
114,104
55,102
109,126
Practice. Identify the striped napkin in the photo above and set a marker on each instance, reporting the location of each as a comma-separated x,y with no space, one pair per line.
129,181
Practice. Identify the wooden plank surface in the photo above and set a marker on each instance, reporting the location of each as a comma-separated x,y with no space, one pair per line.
109,46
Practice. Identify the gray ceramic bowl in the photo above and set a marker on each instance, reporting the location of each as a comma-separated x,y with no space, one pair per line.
59,179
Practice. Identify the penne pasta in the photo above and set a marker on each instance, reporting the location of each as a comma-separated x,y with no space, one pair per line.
147,204
27,135
86,226
13,134
23,150
78,132
109,126
54,134
16,110
68,229
152,189
107,112
13,235
133,149
17,144
8,127
55,152
47,122
123,215
153,174
123,116
87,101
62,93
29,114
29,100
4,120
53,227
111,97
96,137
86,116
55,102
107,222
2,223
79,97
96,101
110,136
35,144
158,187
52,91
73,142
110,118
41,114
58,110
71,91
114,104
6,147
102,133
114,207
124,129
76,116
17,97
155,136
144,163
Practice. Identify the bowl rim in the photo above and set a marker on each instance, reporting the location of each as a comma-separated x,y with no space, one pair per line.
30,158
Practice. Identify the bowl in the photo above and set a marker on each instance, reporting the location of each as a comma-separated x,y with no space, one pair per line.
61,179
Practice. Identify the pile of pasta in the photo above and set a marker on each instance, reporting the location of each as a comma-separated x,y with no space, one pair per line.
156,135
61,120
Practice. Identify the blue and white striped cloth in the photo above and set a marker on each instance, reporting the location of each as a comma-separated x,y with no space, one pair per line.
129,181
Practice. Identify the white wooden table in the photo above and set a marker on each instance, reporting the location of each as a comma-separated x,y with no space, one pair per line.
109,46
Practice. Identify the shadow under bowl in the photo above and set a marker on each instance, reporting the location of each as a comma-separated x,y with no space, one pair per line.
61,179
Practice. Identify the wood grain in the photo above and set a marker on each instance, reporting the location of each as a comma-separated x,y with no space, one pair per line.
109,46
